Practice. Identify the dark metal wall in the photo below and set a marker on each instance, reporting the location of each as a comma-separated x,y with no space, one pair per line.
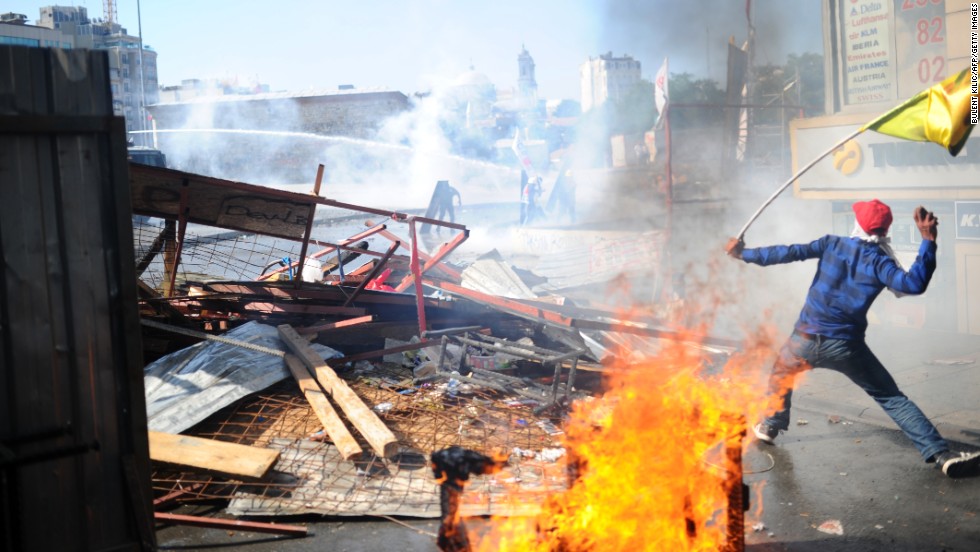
74,460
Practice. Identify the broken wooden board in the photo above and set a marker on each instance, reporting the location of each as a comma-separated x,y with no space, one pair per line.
381,439
324,411
312,478
229,459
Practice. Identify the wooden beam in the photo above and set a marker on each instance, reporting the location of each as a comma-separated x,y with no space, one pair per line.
237,461
324,411
377,434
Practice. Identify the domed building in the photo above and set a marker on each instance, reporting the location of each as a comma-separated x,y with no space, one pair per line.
472,95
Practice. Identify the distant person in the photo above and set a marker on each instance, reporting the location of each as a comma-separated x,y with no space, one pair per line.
529,200
851,273
445,202
441,204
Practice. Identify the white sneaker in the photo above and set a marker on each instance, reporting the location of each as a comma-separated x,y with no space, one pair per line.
765,433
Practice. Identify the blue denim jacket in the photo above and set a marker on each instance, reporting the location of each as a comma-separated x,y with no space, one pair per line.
850,275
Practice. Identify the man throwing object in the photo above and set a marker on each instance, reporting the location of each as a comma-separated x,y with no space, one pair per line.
829,333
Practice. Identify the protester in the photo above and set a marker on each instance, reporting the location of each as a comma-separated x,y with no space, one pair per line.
830,332
446,194
530,196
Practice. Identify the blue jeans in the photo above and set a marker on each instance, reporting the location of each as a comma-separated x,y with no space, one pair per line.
855,360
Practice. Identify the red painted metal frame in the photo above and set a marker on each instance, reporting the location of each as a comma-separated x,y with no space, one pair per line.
452,272
417,277
374,272
444,250
330,248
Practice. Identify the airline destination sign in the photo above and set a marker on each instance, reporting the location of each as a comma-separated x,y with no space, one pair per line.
869,56
891,49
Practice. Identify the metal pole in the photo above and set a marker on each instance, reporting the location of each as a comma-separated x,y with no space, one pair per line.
139,20
792,179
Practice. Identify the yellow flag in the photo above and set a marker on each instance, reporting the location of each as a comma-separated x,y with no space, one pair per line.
940,114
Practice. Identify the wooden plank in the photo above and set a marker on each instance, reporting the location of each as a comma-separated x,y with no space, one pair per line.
231,459
377,434
324,411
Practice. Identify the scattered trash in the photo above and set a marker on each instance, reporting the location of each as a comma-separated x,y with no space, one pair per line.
522,402
382,408
362,366
843,473
544,455
802,422
425,369
879,527
550,428
832,419
831,527
759,527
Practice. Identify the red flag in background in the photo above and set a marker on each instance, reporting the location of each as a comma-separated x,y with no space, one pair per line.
660,93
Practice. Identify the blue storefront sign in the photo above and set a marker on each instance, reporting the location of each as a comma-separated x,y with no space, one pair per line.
968,220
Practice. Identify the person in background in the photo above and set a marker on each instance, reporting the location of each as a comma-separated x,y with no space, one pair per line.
445,201
530,210
830,332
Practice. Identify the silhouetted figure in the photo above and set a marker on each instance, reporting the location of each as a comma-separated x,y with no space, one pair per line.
441,204
452,468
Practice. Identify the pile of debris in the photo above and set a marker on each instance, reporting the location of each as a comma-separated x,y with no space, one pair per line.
289,383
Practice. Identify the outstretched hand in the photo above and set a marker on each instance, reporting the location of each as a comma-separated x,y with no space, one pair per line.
734,247
927,223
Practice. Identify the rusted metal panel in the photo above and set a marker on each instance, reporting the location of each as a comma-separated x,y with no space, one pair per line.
72,414
156,192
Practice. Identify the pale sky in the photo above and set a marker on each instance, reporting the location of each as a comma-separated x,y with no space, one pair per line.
413,45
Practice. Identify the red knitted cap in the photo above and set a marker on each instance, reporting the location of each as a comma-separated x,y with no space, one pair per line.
873,216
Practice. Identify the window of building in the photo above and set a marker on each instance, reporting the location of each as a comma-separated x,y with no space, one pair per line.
19,41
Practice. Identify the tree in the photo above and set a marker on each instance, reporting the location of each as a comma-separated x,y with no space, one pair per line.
704,100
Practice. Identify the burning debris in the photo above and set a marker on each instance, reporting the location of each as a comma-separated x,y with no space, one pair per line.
452,468
470,368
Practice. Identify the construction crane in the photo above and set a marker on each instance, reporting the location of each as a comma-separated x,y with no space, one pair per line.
109,12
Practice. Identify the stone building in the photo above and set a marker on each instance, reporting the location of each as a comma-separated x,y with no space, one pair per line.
607,77
355,113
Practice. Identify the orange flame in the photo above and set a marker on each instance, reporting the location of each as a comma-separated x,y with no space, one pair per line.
653,470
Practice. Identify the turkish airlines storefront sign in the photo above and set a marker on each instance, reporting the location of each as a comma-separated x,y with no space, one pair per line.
968,220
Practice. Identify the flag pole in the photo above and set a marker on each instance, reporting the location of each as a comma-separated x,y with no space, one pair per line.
796,176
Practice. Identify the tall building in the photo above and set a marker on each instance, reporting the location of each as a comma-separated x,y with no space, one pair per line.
132,71
607,77
527,87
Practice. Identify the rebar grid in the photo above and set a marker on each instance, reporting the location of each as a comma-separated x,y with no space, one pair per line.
311,477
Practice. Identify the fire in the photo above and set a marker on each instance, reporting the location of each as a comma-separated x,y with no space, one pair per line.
654,459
